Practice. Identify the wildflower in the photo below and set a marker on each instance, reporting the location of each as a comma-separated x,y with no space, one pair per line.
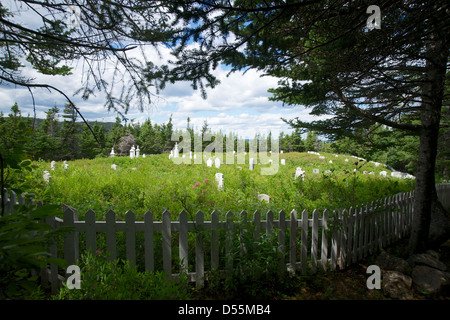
195,185
205,180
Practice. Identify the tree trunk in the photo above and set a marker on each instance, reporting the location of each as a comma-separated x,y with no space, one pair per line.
432,97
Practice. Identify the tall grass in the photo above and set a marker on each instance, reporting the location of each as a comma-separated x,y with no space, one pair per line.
156,183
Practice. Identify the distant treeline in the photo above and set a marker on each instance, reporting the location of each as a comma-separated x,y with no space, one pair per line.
61,136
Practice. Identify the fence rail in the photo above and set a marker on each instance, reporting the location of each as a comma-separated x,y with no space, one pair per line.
307,241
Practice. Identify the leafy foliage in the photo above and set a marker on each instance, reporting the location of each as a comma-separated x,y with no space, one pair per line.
103,279
24,248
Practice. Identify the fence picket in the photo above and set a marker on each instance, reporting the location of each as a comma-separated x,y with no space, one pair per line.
304,241
166,244
293,240
111,234
324,248
199,253
314,239
229,242
215,240
148,242
71,245
281,239
131,237
90,231
343,239
183,241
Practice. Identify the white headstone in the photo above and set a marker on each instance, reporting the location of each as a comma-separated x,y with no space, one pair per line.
112,152
138,152
217,163
143,156
46,176
52,165
175,151
219,179
331,161
65,165
321,157
113,166
315,170
383,173
283,162
132,152
209,162
263,197
346,160
251,163
299,172
327,171
281,151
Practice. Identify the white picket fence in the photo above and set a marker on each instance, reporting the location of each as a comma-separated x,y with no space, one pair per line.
308,241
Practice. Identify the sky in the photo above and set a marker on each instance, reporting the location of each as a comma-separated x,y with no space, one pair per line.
240,103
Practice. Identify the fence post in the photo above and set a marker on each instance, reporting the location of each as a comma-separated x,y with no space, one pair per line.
304,241
349,230
199,253
71,244
314,239
324,249
91,232
293,240
229,242
281,239
166,243
343,239
215,240
183,241
111,235
131,237
148,239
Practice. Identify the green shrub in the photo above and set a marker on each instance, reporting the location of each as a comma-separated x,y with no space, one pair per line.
103,279
256,269
24,250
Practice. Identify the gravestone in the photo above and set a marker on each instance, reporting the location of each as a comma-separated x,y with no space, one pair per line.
46,176
331,161
65,165
322,157
209,162
316,171
383,173
251,164
132,152
112,153
113,166
346,160
138,152
175,151
283,162
52,165
217,163
299,173
219,179
263,197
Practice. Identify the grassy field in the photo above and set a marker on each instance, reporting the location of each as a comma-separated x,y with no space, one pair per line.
156,183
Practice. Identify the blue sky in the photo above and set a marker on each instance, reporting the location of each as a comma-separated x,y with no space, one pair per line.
239,104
